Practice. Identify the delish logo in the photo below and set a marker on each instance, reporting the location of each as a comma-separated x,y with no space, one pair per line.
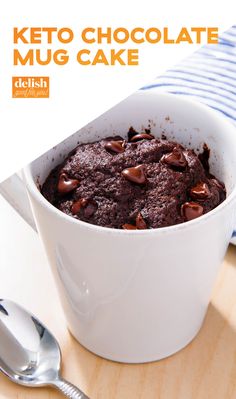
30,87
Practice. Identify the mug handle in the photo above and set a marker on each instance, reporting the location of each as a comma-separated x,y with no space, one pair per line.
14,191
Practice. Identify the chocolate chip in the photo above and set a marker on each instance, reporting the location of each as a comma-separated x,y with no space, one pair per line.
200,191
131,133
135,174
66,184
191,210
218,184
175,158
221,187
90,208
87,205
77,205
115,146
142,136
140,222
128,226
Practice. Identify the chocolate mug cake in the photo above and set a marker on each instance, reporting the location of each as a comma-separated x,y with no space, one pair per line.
142,182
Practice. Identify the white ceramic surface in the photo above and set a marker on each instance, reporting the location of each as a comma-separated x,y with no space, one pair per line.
138,296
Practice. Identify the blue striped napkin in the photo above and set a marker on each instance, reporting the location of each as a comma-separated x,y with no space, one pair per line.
208,76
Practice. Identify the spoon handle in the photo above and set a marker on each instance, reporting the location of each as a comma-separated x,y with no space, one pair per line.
69,390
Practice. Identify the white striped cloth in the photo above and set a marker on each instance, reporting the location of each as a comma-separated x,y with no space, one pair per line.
208,76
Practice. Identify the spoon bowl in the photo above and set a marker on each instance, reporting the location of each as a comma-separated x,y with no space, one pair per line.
29,353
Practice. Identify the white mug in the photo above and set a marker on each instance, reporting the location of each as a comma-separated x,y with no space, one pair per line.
137,296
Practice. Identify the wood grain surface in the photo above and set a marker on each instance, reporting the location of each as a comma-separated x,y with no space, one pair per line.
205,369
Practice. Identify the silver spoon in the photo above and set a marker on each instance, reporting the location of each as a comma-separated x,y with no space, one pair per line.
29,354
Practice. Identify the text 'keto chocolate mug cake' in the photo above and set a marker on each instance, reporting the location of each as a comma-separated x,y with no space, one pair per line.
139,183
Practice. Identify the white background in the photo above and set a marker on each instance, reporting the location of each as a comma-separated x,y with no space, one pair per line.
29,127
